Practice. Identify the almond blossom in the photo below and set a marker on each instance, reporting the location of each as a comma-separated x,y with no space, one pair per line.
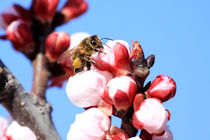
3,128
86,88
151,116
120,90
14,131
135,138
89,125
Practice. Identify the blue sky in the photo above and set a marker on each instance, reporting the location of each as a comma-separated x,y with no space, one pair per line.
176,31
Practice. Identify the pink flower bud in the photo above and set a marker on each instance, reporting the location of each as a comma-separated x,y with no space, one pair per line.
20,34
55,44
90,125
135,138
3,126
45,10
73,9
85,89
115,58
120,92
13,13
151,116
163,88
17,132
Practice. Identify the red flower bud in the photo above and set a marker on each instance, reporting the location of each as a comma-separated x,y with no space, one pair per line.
20,34
13,13
120,92
45,10
114,59
139,98
163,88
117,133
55,44
73,9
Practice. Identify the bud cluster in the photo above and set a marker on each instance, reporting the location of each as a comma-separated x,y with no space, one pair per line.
115,86
11,130
31,31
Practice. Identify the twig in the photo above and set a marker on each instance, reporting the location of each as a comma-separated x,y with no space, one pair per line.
41,76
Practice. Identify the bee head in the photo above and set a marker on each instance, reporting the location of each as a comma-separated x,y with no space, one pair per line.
96,42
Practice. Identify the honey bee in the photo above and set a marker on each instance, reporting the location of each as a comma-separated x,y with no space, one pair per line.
81,54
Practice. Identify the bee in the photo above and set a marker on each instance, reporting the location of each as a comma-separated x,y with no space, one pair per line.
81,54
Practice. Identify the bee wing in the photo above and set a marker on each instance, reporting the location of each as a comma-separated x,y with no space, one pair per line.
66,55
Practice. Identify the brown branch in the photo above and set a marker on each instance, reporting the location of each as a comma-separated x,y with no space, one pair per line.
3,37
41,76
29,110
58,20
127,125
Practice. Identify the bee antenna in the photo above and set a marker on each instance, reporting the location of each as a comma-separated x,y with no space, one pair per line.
106,38
106,45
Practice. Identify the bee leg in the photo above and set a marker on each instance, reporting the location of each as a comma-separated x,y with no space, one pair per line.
76,70
93,62
89,60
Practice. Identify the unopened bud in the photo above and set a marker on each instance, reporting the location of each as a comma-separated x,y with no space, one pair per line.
86,89
120,92
73,9
89,125
139,98
45,10
163,88
115,58
20,34
55,44
13,13
151,116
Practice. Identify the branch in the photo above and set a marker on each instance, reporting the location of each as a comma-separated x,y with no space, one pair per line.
29,110
41,76
127,125
3,37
